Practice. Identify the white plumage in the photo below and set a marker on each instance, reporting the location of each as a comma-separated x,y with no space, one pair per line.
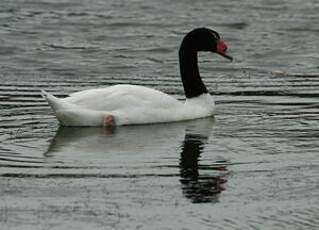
128,104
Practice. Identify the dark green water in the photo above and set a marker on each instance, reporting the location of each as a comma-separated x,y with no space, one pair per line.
254,166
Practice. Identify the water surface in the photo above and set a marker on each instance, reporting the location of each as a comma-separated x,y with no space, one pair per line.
253,166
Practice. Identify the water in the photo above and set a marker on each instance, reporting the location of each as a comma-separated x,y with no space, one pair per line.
254,166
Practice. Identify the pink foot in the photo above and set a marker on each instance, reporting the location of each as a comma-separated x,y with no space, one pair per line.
108,121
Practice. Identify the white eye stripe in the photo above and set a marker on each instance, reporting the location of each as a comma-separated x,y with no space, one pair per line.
215,35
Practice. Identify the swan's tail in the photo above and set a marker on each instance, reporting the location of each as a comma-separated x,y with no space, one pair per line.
53,101
72,115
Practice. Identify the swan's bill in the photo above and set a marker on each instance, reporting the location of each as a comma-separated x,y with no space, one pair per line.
226,55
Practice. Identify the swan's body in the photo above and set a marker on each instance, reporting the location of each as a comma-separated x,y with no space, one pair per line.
132,104
128,104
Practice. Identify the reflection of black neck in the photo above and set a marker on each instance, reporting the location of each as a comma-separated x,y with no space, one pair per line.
198,188
192,82
192,147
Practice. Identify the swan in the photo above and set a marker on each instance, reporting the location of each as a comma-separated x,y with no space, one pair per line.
132,104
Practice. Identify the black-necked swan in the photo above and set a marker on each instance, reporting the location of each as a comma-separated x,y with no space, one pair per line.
133,104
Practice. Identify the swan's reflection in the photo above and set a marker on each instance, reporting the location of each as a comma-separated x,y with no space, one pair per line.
199,188
98,146
79,142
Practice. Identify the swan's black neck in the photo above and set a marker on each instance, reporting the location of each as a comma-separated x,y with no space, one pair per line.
192,82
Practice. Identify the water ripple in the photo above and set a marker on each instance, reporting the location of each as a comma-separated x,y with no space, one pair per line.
253,167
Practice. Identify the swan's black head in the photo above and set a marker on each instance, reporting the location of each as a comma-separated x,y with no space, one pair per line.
204,39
